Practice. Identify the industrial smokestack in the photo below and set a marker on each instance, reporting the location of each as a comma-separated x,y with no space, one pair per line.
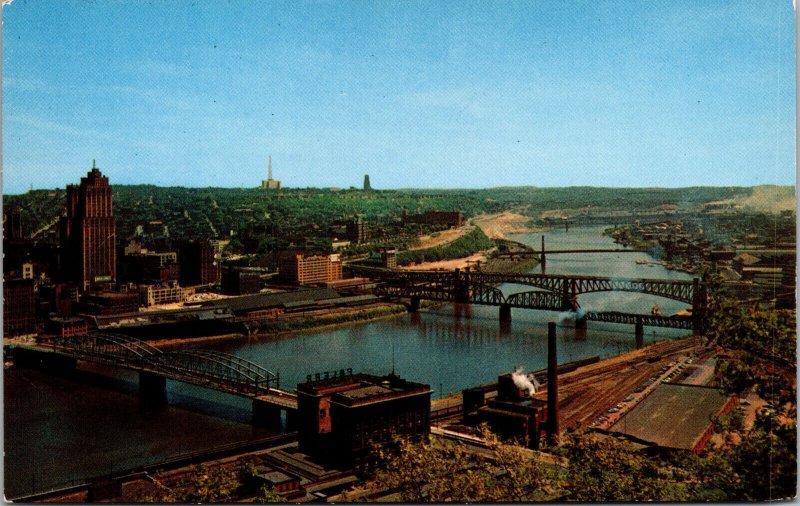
552,384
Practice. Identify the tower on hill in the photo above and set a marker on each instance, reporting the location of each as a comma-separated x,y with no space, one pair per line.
269,183
367,186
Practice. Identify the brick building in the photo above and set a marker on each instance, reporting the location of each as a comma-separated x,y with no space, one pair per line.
88,233
342,416
303,269
199,263
19,307
109,303
149,267
357,230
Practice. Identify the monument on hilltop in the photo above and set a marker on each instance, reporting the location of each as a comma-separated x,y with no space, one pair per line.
269,183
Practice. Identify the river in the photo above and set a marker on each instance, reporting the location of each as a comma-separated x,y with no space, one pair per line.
60,429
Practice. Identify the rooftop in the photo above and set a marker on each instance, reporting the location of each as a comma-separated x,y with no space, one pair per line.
673,416
264,300
357,389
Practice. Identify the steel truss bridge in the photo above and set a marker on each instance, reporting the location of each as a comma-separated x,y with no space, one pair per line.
206,368
552,292
529,253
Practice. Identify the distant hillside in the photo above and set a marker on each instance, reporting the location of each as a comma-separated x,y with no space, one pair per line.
215,212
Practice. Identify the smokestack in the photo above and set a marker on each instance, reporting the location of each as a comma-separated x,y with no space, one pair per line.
552,384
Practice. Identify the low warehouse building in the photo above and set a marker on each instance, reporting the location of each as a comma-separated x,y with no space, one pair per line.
675,417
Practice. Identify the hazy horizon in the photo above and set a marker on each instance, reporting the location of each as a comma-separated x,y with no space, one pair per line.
417,95
421,188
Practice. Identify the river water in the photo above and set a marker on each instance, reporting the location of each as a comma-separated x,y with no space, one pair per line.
59,429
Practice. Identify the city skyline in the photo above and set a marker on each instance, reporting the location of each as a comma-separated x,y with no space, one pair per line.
546,94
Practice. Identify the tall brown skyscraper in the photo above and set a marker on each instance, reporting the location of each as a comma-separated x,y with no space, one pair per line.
88,233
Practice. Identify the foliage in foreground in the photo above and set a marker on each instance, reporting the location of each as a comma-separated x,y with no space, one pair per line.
440,471
599,469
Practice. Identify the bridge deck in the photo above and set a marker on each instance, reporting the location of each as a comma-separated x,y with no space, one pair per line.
286,400
206,368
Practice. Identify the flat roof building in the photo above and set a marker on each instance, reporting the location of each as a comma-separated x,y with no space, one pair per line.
302,269
342,416
675,417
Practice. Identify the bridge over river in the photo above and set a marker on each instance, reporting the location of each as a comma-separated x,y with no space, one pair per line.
206,368
549,292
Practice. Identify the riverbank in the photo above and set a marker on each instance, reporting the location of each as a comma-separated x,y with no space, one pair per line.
502,225
279,329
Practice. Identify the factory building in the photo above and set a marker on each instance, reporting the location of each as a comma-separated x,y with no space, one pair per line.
513,414
341,416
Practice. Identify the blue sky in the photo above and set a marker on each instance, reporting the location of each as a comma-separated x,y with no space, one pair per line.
416,94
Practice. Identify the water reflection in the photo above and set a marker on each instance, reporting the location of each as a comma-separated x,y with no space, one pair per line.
450,348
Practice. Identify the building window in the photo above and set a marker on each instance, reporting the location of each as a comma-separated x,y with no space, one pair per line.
322,413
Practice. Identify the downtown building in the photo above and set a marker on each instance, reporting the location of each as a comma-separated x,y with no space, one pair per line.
303,269
88,233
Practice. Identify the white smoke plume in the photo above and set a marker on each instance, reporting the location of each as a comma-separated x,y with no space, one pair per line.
524,381
571,315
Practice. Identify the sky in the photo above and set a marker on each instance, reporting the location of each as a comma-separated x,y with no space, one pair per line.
426,94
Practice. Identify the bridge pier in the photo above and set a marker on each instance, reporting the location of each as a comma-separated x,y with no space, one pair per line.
639,331
462,310
413,306
152,388
580,327
543,258
505,313
291,420
267,415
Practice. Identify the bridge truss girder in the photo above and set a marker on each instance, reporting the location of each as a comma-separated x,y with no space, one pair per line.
200,367
212,368
675,322
112,349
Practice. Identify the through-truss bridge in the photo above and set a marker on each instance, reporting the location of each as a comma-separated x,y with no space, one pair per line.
206,368
675,322
550,292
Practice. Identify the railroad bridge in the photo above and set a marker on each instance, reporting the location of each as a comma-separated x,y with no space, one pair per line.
206,368
551,292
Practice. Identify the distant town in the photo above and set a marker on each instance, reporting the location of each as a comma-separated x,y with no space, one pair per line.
101,280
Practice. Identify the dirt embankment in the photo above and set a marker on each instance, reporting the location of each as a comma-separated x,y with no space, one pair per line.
440,238
500,226
495,226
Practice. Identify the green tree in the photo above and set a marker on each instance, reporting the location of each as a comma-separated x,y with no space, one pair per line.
603,469
201,484
443,471
267,493
766,460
